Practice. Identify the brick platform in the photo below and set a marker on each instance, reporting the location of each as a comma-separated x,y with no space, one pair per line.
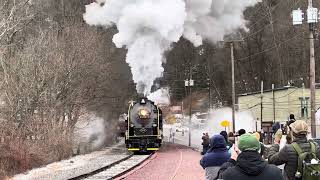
172,162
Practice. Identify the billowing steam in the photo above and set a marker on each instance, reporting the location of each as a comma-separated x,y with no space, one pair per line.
160,97
148,27
244,120
89,133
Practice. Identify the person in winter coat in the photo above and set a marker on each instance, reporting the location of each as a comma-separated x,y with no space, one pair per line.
205,143
287,154
289,122
225,135
215,157
231,137
248,164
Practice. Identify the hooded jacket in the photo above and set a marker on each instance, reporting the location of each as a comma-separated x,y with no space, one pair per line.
217,154
249,166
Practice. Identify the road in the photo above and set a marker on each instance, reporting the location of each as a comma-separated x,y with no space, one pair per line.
172,162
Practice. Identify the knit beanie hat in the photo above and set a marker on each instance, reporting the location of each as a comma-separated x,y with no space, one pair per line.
248,142
299,127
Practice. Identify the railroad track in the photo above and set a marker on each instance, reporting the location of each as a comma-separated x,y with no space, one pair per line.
115,169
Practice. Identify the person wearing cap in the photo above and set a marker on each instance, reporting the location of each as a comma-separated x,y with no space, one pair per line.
241,132
289,122
215,157
287,155
247,164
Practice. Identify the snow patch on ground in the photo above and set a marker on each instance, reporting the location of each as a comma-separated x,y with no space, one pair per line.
75,166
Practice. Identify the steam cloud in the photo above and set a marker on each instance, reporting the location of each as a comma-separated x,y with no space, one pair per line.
148,27
161,96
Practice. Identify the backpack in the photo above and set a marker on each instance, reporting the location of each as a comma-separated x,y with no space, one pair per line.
306,170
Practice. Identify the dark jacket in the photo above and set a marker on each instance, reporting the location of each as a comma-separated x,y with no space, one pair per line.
275,127
288,156
205,143
249,166
217,154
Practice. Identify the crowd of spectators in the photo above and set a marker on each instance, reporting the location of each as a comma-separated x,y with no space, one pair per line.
243,156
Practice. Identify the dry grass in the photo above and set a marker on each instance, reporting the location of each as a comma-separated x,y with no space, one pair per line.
19,156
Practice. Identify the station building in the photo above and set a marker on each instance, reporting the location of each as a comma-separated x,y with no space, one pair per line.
275,105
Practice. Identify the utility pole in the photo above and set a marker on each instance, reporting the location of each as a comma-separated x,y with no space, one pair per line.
189,83
231,40
312,77
312,19
209,102
273,104
261,104
233,89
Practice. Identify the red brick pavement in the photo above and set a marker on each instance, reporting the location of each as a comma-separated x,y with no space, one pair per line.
172,162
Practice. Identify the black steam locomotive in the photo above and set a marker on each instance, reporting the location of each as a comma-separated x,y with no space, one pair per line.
144,126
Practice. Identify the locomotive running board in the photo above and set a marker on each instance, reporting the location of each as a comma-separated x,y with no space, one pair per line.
133,149
148,149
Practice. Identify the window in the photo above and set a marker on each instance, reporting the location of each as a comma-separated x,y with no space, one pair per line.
304,106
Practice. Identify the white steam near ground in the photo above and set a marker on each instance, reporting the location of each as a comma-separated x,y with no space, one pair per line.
147,28
244,120
89,133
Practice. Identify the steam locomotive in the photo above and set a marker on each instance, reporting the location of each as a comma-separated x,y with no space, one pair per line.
144,126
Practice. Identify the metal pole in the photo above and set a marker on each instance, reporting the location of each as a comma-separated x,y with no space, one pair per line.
233,89
273,104
261,104
209,95
312,83
312,77
190,104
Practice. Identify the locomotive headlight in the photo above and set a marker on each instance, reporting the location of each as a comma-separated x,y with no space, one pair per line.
154,125
131,125
143,113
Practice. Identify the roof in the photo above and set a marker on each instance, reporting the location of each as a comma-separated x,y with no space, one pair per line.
269,90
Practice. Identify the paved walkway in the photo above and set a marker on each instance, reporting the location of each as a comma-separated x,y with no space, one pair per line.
172,162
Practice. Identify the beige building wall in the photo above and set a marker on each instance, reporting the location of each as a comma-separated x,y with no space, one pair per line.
286,102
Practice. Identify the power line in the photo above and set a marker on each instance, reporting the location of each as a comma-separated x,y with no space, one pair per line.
265,16
274,8
270,48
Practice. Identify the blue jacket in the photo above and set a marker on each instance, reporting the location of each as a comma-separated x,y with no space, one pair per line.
217,154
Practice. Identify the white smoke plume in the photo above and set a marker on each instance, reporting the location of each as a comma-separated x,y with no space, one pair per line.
161,97
148,27
89,132
244,120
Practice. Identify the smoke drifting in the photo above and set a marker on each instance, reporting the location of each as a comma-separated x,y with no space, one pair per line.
148,27
244,120
90,132
161,96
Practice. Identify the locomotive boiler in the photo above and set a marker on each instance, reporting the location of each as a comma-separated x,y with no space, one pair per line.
144,126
